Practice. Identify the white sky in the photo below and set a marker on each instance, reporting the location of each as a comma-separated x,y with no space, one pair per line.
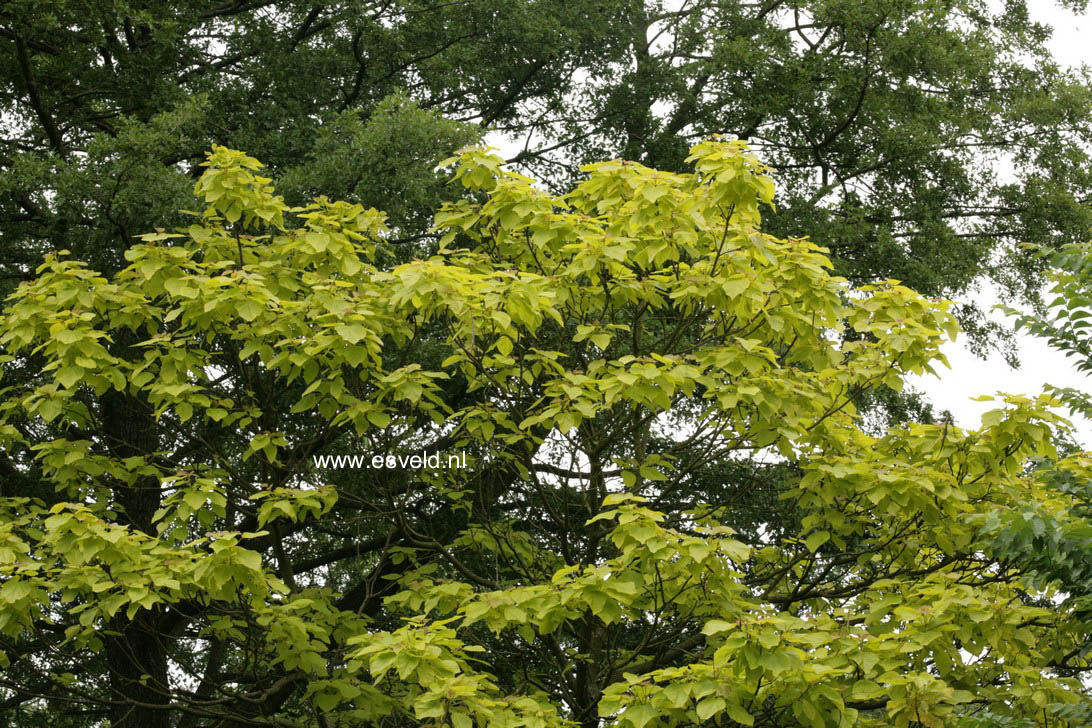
971,376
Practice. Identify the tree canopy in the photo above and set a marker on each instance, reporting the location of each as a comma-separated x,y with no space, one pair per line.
614,363
671,510
886,120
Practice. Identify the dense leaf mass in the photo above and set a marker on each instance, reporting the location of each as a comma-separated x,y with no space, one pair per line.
670,513
918,140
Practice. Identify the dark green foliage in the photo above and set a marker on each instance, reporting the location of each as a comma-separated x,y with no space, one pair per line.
1057,546
883,118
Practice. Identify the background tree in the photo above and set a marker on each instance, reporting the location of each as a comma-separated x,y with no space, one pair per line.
885,119
594,352
880,116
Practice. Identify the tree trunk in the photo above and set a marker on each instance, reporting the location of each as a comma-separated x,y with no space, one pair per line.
136,653
137,660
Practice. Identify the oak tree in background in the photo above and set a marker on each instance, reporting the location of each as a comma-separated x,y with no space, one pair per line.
885,119
597,355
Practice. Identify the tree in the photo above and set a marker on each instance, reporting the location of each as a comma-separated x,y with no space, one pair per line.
883,118
589,355
1053,541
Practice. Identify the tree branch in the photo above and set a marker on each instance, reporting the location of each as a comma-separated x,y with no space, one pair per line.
48,124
